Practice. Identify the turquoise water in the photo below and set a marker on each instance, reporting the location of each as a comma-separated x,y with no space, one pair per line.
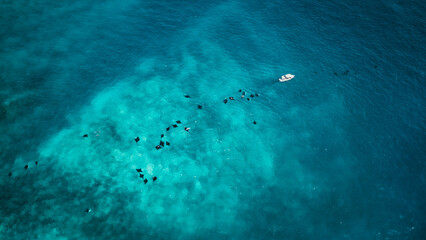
337,153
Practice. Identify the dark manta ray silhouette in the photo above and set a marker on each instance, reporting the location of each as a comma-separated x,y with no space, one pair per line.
168,128
254,122
139,170
162,135
10,174
178,122
85,135
187,96
157,147
225,101
141,175
174,125
167,143
154,178
200,107
145,181
162,143
26,167
137,139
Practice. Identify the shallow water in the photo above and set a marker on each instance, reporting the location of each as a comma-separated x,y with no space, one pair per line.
337,152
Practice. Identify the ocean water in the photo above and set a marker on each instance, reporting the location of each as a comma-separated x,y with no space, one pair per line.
337,153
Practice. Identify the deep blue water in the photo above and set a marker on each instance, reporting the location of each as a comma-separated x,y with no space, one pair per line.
337,153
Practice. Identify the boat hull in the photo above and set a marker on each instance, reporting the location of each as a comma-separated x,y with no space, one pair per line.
286,78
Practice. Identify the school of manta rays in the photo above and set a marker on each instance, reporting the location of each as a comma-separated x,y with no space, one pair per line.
162,143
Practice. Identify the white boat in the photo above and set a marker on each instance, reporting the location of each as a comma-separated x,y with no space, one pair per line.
286,77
